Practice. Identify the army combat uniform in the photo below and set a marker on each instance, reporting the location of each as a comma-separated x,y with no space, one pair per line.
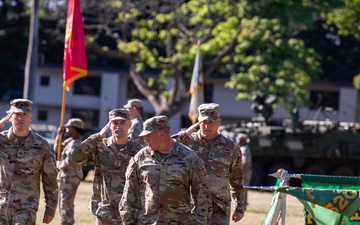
110,167
159,188
23,167
136,128
223,165
70,178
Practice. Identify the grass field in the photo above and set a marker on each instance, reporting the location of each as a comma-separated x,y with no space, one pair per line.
259,203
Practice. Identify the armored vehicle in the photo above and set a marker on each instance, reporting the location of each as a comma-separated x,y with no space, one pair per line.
309,147
317,148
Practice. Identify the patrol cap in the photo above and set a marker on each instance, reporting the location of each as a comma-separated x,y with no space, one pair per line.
75,122
154,123
209,111
20,105
119,114
137,103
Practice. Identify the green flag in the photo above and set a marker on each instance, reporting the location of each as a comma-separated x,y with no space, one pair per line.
345,202
318,215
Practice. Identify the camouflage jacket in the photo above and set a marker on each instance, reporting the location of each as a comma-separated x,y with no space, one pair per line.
110,167
158,189
135,130
223,165
67,147
23,167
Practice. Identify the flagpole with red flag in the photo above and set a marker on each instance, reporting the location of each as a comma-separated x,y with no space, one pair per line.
75,66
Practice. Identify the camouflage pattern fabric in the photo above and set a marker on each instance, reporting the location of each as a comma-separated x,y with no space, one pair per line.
246,164
159,188
110,167
135,130
68,188
23,167
223,165
70,178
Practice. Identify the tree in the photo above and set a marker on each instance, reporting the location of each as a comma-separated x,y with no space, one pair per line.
346,17
13,41
255,43
32,53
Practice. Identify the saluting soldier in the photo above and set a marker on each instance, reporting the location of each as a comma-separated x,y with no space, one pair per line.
111,157
222,157
27,160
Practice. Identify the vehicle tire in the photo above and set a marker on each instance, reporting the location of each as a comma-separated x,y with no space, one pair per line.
258,175
343,171
274,168
314,169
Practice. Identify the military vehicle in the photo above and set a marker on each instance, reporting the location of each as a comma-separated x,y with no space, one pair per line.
309,147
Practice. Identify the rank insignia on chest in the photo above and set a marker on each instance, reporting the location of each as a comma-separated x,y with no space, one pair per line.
117,163
203,171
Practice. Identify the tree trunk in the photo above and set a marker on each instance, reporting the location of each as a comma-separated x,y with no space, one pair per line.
32,52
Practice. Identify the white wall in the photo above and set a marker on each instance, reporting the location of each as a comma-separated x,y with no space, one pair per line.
114,95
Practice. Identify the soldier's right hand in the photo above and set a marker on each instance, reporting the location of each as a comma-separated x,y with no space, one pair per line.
192,128
105,130
5,120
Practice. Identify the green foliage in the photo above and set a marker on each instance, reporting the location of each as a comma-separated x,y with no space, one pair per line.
357,81
270,46
346,17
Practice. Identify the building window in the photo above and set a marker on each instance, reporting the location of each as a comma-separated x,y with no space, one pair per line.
324,99
44,80
89,85
133,91
42,115
90,117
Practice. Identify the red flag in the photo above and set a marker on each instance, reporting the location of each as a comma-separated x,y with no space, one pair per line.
74,50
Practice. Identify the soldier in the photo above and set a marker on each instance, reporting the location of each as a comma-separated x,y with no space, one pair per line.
135,106
72,174
26,160
161,180
111,157
222,159
243,140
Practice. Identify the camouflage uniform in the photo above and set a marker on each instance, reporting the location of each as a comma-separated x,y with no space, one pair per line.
110,167
137,122
23,167
135,129
70,178
157,189
246,164
223,165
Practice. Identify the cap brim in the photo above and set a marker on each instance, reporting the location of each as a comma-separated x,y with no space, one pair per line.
18,111
208,118
145,132
119,118
126,106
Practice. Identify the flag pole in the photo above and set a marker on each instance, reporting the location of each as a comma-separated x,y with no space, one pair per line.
63,102
74,66
196,86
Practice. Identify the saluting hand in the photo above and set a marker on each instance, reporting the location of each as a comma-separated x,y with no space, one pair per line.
192,128
5,120
105,130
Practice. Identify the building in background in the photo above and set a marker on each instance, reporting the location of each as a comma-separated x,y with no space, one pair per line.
92,97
